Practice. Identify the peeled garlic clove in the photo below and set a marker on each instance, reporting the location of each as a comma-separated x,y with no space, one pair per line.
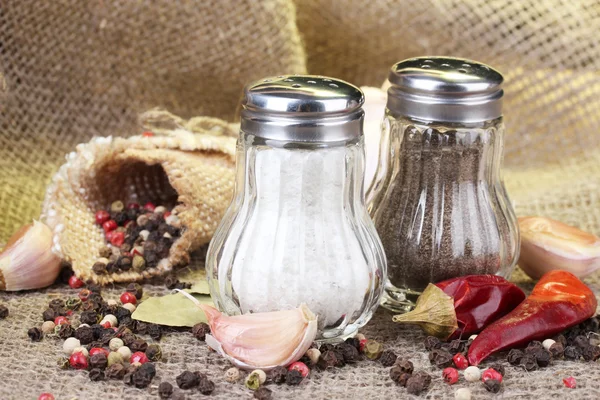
548,245
27,261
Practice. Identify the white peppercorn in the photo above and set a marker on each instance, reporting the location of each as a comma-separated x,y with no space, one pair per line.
81,350
462,394
472,374
48,327
70,344
232,375
125,352
115,344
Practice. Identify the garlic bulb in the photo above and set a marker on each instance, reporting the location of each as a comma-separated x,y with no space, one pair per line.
260,340
548,245
374,107
27,261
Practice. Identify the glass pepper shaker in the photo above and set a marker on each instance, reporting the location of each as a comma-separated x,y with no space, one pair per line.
297,230
438,200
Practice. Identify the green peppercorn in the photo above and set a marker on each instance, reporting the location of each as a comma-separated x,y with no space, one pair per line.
154,352
114,358
63,363
373,349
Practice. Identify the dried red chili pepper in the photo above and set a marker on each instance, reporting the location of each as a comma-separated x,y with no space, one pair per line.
462,306
558,301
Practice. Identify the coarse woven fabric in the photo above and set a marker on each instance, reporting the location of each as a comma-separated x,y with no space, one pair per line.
29,368
74,70
189,171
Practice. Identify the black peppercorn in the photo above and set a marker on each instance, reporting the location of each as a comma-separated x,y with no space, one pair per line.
277,375
431,342
425,377
85,334
492,385
49,314
66,272
141,327
329,359
138,345
415,385
581,341
3,312
590,353
572,353
440,358
514,356
206,386
542,357
405,365
293,377
66,331
124,263
263,393
200,330
96,374
142,377
115,371
456,346
111,267
154,352
155,331
326,347
349,353
187,380
399,376
99,361
561,339
354,342
99,268
388,358
136,289
557,349
35,334
128,339
121,313
89,317
532,347
56,303
151,258
528,362
165,390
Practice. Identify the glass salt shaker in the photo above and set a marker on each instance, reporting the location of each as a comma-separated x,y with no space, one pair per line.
438,199
297,230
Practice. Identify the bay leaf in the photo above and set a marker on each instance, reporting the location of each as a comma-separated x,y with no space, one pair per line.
197,277
172,310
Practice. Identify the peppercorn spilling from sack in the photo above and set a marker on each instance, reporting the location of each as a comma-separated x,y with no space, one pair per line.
187,167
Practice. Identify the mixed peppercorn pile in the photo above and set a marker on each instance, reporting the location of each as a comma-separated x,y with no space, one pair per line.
139,237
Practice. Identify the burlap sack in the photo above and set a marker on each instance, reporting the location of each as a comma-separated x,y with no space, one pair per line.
77,69
191,168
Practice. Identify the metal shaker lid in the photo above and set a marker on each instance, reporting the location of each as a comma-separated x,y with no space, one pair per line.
445,89
302,108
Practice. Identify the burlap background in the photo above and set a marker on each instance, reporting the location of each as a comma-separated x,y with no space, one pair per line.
74,70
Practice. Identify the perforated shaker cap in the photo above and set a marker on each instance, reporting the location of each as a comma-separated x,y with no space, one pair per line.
445,89
303,109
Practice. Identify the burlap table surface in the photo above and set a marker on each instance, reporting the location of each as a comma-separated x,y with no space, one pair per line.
74,70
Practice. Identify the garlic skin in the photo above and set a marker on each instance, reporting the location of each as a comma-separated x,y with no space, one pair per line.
261,340
27,261
548,245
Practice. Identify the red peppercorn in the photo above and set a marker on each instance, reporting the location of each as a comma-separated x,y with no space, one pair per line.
135,252
140,357
166,214
117,239
109,225
147,134
300,367
102,216
78,361
84,294
75,282
97,350
491,373
133,206
69,313
60,321
149,206
109,235
570,382
46,396
106,324
362,344
450,375
460,361
128,297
